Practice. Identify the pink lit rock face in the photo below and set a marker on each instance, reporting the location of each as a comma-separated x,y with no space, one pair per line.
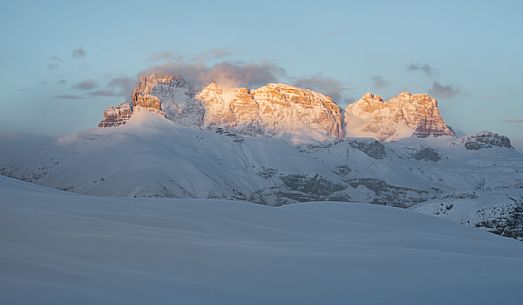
170,95
281,110
402,116
274,109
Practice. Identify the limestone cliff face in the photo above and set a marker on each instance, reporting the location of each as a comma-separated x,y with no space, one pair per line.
288,109
274,109
402,116
116,115
170,95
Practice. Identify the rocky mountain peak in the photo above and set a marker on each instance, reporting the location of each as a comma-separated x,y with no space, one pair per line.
282,110
401,116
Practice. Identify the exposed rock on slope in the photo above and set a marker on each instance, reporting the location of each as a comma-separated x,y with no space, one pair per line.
402,116
485,139
117,115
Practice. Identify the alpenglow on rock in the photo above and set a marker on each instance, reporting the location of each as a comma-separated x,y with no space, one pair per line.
171,95
274,109
402,116
281,110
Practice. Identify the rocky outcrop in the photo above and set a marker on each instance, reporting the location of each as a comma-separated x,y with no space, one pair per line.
171,95
485,139
370,147
116,115
402,116
427,154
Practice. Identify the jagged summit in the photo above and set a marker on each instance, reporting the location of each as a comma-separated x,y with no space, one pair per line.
282,110
402,116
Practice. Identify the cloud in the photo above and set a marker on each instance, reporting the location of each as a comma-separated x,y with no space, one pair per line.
61,81
513,121
56,58
165,55
225,74
201,58
119,86
213,54
55,63
425,68
70,96
53,66
79,53
123,85
326,85
379,82
444,91
102,92
86,85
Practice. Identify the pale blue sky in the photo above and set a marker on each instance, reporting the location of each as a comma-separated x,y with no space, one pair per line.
474,50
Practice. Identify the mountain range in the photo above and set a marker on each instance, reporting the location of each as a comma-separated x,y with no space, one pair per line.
280,144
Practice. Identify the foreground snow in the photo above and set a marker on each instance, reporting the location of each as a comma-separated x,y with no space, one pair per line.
64,248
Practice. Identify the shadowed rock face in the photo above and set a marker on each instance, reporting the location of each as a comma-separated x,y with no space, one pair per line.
485,139
371,148
117,115
427,154
402,116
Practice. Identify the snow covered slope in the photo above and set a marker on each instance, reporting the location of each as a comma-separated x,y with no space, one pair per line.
64,248
151,156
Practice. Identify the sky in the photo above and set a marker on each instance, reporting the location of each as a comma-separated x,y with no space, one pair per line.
63,62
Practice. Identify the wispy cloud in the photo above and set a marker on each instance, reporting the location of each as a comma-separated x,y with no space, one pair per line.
224,73
379,82
53,66
165,55
102,92
61,81
118,86
202,58
214,54
444,91
56,58
326,85
79,53
70,96
55,62
88,84
425,68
